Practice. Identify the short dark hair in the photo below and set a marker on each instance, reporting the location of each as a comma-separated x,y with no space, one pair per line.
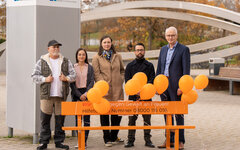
140,44
82,49
101,48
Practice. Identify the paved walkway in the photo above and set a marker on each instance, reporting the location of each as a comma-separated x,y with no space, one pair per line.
215,114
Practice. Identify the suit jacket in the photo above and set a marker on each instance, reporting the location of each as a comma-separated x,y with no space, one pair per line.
179,66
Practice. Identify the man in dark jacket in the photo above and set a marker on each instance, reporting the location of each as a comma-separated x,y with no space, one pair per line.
53,72
174,62
139,65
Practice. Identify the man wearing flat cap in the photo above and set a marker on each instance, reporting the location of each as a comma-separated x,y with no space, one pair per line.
53,72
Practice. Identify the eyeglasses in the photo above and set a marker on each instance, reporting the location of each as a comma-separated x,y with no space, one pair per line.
139,50
171,35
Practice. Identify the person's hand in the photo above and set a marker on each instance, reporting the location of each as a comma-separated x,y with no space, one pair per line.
49,78
138,96
179,92
83,97
62,77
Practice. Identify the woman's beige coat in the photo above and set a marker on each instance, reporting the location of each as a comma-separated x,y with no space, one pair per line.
112,72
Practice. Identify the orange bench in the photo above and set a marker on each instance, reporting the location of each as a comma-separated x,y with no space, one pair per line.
127,108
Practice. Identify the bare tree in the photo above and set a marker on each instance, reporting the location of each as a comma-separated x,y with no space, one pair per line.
3,19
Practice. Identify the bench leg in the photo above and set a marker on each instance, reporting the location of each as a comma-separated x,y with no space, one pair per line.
169,122
168,138
81,135
231,87
81,140
176,144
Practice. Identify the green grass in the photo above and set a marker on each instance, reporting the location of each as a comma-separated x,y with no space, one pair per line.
93,48
224,47
92,35
19,137
232,61
2,40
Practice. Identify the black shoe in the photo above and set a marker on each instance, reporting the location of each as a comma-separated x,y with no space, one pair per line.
149,144
60,145
42,147
129,144
164,145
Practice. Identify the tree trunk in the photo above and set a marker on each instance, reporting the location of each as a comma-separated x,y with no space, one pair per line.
149,34
84,40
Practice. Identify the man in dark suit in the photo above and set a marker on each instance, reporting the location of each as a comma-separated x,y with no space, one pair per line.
173,62
140,64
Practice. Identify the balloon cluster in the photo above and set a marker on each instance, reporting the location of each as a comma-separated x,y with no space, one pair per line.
95,96
186,84
138,84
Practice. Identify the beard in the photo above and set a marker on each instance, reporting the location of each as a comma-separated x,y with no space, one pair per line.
55,53
140,56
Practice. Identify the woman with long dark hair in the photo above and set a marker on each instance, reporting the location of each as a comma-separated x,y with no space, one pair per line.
108,66
84,81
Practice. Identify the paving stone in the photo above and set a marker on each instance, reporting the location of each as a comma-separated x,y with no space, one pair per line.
215,114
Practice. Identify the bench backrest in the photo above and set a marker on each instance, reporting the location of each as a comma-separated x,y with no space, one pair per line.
229,72
127,108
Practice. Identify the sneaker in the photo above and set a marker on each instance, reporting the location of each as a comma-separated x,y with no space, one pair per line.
118,140
164,145
42,147
76,147
60,145
108,144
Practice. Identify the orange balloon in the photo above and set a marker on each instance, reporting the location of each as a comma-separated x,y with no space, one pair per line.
140,77
94,95
190,97
103,107
147,92
102,86
186,83
132,87
201,81
161,83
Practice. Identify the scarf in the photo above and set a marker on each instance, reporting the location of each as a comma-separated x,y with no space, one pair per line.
107,54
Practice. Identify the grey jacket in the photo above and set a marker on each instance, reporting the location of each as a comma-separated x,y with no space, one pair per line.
43,69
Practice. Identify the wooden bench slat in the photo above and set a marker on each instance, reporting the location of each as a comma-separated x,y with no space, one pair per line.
228,79
127,127
229,72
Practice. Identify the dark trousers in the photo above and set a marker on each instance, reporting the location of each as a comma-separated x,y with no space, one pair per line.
110,135
86,122
45,134
132,122
179,119
86,118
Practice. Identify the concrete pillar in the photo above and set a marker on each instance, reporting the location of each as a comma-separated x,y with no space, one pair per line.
31,24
